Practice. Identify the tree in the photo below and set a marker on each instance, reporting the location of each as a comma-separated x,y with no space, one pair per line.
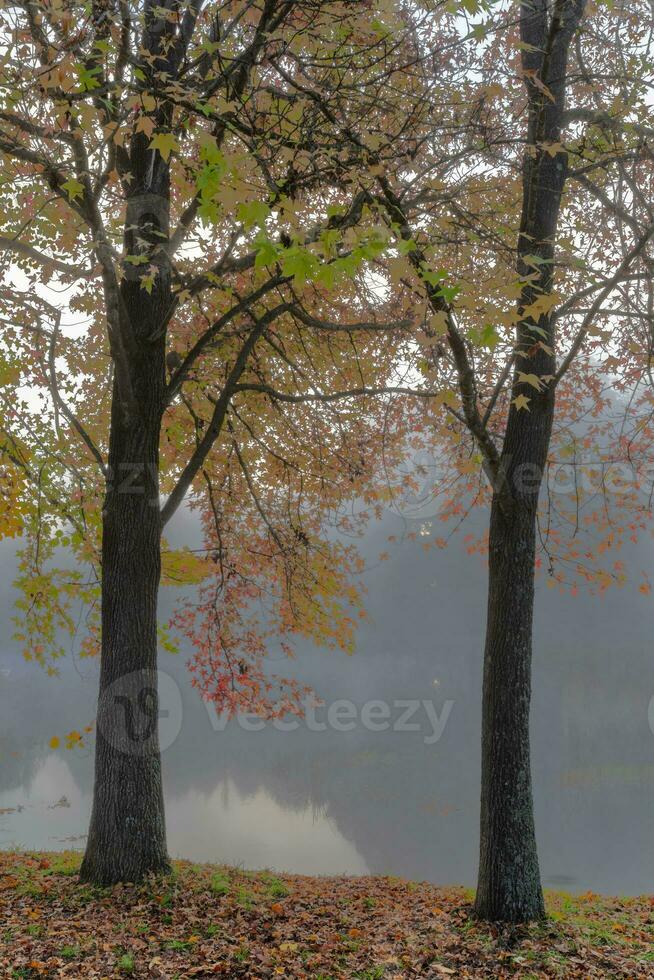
511,242
185,304
504,392
337,177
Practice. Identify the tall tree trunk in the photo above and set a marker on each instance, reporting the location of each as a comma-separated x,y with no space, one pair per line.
509,886
509,879
127,837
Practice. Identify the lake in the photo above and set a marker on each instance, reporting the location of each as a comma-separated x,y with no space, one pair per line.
358,788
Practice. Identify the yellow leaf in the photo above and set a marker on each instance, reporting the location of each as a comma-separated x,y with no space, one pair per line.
165,143
183,567
73,188
54,742
531,379
541,305
522,402
553,148
447,397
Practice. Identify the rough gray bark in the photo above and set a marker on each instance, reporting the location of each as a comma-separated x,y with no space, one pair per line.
127,837
509,886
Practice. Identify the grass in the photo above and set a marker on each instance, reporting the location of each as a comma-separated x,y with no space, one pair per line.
205,920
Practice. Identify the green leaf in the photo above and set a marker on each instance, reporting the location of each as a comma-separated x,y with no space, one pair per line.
535,260
210,153
209,212
147,282
253,213
73,188
486,337
449,293
300,264
431,276
405,246
267,254
87,79
328,274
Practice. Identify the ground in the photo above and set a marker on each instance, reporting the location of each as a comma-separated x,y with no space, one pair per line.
208,921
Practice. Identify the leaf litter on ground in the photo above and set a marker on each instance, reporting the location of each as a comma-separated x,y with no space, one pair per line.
209,921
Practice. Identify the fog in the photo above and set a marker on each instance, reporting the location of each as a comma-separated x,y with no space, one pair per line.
387,802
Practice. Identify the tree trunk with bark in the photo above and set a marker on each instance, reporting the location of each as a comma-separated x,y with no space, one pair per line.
509,887
127,837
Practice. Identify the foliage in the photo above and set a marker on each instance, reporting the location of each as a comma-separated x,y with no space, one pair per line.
461,260
164,154
345,194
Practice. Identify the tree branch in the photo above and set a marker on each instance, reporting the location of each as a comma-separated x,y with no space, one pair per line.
594,309
332,396
214,428
22,248
63,407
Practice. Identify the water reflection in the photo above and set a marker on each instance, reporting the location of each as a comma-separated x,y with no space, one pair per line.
255,831
385,802
46,811
221,826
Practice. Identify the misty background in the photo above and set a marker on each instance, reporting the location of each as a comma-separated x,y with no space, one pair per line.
379,802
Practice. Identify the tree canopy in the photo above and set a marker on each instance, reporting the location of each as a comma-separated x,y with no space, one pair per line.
257,253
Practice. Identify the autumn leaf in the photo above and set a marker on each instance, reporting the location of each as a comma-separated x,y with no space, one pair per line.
165,144
531,379
43,904
73,188
535,79
145,124
521,401
253,213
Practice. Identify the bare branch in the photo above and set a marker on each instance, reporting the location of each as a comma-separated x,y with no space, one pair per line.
594,309
214,428
22,248
63,407
333,396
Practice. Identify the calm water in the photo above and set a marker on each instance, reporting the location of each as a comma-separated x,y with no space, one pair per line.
387,802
